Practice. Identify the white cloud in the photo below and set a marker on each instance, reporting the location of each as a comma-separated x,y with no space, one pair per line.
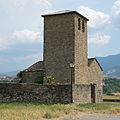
18,37
27,36
99,39
116,8
96,18
116,12
23,3
21,18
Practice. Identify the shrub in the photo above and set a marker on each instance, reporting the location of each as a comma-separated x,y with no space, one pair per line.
49,80
39,80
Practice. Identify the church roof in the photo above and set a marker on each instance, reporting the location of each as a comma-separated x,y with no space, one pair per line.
64,12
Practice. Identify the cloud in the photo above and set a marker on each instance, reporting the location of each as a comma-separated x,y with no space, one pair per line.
116,12
116,8
21,21
99,39
3,43
96,18
27,36
23,3
21,37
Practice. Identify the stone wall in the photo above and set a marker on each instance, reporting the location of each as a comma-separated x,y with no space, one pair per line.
59,46
80,50
31,76
23,92
95,76
81,93
10,92
37,66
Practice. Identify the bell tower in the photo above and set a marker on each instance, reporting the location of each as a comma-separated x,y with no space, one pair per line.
65,42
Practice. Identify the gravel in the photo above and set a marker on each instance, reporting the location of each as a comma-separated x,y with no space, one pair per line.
93,117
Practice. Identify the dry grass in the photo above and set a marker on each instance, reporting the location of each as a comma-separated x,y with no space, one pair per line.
37,111
111,97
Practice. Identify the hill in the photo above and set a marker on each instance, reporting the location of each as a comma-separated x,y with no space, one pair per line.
110,65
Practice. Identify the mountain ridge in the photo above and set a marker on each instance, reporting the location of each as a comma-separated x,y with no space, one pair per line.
110,65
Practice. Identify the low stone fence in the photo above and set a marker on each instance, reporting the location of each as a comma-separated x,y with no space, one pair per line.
10,92
24,92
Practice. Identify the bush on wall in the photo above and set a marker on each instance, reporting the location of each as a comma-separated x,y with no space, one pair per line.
49,80
39,80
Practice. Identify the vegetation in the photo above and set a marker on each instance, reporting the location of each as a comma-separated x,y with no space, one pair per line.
39,80
47,80
111,97
38,111
111,85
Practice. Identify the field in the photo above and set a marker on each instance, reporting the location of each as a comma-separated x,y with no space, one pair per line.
38,111
111,97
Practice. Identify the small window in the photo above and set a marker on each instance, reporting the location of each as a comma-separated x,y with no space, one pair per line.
83,26
79,24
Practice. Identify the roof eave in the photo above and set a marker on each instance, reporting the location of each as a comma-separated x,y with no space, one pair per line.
65,13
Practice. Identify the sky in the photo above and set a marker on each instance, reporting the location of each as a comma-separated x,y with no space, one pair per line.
21,29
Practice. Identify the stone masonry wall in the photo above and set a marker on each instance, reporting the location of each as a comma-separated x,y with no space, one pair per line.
80,51
81,93
95,75
32,73
31,76
37,66
10,92
59,46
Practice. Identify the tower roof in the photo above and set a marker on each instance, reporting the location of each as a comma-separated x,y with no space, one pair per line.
64,12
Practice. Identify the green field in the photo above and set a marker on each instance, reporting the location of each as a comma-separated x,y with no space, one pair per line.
37,111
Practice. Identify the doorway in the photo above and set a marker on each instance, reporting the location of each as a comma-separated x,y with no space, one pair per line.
93,93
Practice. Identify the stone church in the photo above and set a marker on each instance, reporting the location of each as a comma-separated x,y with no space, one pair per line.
66,54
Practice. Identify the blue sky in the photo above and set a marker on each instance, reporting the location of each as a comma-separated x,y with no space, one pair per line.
21,28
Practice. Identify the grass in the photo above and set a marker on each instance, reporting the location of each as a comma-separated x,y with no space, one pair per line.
37,111
111,97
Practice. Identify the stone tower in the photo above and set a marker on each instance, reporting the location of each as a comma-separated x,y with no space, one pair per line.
65,42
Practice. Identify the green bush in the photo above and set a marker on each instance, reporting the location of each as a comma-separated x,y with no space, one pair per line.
39,80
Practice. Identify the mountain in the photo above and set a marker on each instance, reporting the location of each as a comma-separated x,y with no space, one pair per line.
110,65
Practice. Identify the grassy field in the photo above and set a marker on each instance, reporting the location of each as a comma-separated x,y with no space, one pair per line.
111,97
37,111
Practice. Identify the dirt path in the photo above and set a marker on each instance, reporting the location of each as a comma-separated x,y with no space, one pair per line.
93,117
